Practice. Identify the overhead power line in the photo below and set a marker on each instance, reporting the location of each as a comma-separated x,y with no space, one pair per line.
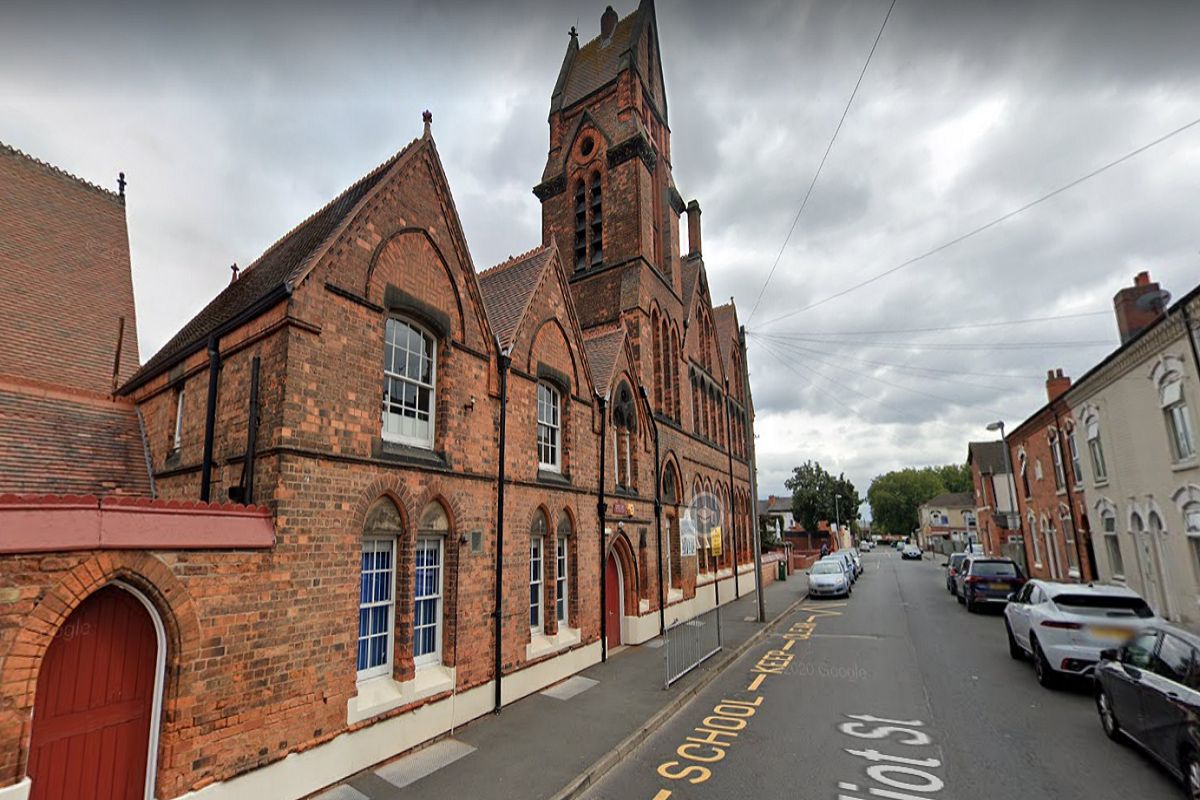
994,324
988,225
821,166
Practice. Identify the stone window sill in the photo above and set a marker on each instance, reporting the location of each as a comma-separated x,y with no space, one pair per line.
382,694
1187,463
674,595
553,477
541,644
1101,483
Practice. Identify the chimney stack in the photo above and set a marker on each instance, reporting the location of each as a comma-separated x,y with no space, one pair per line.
608,23
693,215
1056,384
1138,306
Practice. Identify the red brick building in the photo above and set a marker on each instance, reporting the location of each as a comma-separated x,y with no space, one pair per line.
1047,473
430,445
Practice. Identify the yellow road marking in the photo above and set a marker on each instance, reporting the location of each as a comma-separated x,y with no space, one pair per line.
753,687
788,644
663,794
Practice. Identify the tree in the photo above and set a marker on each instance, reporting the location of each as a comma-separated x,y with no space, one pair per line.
895,496
815,495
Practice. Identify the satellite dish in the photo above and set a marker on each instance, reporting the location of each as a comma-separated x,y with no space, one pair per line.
1154,301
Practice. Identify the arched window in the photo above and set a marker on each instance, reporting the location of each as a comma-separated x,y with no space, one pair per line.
668,392
429,585
409,384
1024,461
1112,544
1191,522
677,411
657,340
1176,415
377,589
581,260
537,553
1033,536
1056,454
562,584
597,222
1091,421
549,428
624,425
1067,525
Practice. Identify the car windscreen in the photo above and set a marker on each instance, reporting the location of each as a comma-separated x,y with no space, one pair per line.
994,569
955,561
826,568
1104,605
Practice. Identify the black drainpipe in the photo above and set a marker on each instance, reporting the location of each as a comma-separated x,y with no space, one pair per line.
602,511
210,418
505,363
251,435
737,592
662,596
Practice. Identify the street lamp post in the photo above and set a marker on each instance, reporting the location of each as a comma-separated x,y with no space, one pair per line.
837,515
998,425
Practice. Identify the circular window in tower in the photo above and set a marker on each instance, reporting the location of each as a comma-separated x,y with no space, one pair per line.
587,146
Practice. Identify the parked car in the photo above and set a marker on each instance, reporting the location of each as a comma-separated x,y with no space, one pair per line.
952,564
1064,627
866,546
854,557
982,580
910,551
828,577
1148,691
899,545
843,559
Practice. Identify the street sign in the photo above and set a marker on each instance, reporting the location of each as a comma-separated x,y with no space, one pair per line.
714,540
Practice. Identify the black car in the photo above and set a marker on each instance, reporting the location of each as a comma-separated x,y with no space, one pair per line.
1149,692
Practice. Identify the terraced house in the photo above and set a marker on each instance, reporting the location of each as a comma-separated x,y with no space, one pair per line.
368,492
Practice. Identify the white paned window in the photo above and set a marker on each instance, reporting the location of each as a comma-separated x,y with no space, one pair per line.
560,581
1068,529
549,428
1191,521
409,375
535,583
1178,419
427,601
1060,475
376,607
1108,522
1073,448
177,439
1037,547
1096,450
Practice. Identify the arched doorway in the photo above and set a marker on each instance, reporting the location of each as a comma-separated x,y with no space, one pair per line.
97,703
614,600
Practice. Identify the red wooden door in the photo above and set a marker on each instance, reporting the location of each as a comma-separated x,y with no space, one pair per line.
95,691
612,602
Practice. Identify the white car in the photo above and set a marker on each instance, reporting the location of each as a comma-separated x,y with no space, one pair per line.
1065,626
858,567
828,578
844,557
910,551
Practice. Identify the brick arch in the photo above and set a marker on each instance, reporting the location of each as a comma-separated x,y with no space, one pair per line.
394,242
391,487
672,460
535,345
141,570
623,549
449,501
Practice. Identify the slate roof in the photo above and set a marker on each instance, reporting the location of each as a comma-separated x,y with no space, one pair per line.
599,62
989,456
507,289
690,273
603,345
275,273
56,442
953,500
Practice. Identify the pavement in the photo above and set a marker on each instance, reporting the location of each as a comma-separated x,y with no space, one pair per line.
896,692
554,743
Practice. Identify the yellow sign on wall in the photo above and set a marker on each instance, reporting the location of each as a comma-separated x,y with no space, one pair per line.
714,538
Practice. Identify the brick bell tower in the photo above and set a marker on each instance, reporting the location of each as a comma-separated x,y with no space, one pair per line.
607,193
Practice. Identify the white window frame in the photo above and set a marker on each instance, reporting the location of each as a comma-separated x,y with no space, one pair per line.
562,597
1033,534
177,438
1112,545
384,668
1191,526
1060,469
1178,419
549,427
389,375
1076,465
1066,523
439,546
537,574
1096,451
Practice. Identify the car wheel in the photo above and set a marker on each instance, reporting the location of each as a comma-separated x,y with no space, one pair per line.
1191,775
1014,649
1045,673
959,598
1108,717
970,605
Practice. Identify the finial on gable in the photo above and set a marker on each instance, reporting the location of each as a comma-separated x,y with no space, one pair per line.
121,184
234,269
573,33
427,118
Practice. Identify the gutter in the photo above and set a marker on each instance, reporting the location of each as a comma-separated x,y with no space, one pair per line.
505,363
602,512
210,417
737,592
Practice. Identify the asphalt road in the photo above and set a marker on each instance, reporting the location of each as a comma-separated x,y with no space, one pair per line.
897,690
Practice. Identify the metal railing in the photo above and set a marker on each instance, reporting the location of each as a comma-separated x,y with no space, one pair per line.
690,642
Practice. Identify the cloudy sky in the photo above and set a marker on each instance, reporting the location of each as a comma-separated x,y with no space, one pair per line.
234,121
